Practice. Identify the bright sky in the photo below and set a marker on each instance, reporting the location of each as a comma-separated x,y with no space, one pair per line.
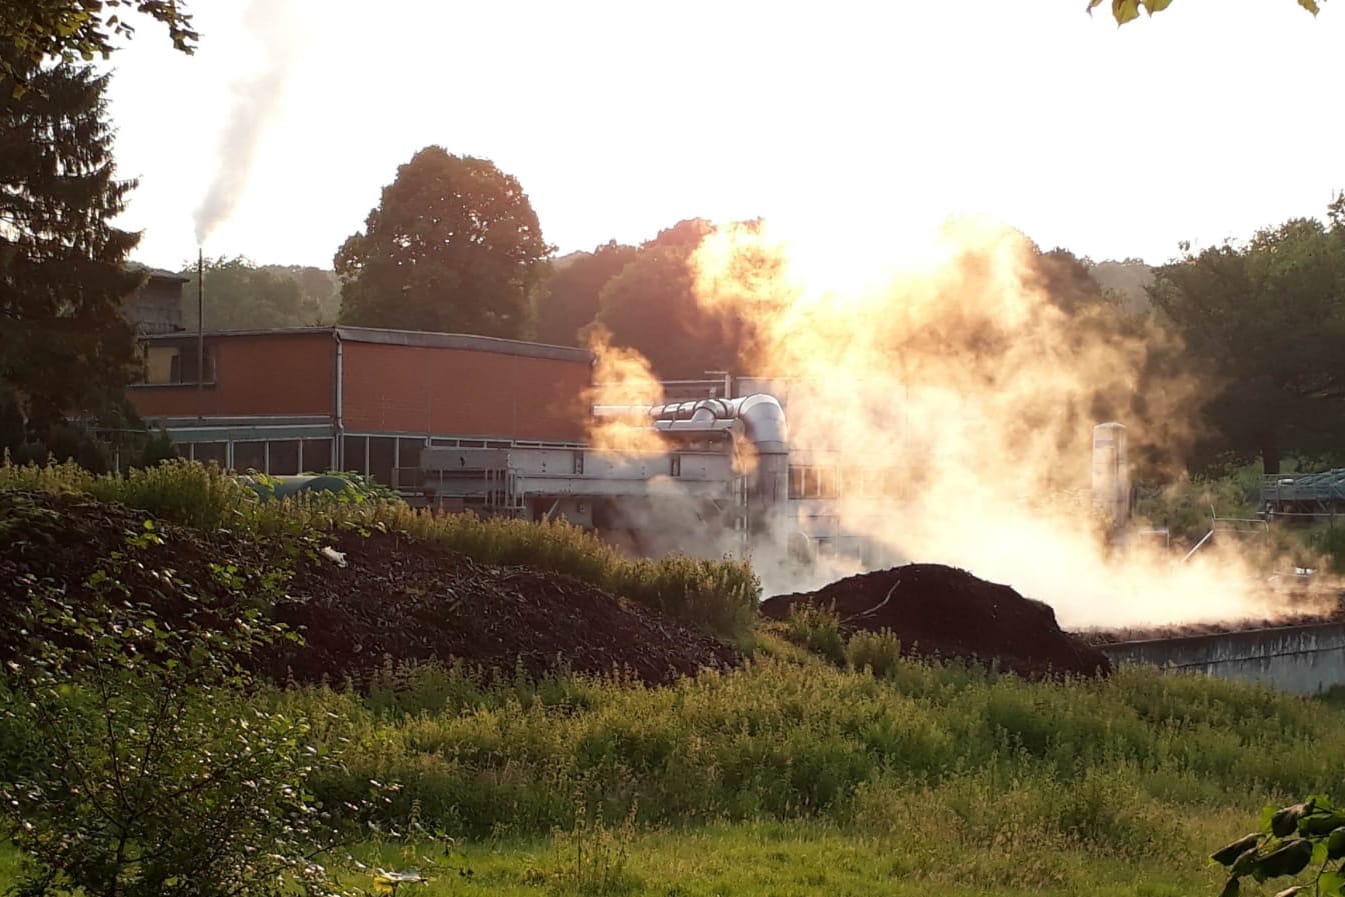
1210,120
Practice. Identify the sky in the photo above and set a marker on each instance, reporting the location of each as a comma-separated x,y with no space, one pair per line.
1204,123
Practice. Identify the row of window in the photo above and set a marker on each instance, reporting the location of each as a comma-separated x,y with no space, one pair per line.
376,456
820,481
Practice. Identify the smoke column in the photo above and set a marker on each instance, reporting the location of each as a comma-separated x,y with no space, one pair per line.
256,99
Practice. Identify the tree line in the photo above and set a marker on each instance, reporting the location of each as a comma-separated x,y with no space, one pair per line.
455,245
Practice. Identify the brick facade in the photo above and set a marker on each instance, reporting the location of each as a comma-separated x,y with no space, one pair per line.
271,400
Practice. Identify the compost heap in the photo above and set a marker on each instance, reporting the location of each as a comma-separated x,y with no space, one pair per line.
360,600
944,613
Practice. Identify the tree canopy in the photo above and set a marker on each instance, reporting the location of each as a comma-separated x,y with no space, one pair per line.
1267,320
83,29
1128,10
651,307
454,245
64,345
242,296
570,299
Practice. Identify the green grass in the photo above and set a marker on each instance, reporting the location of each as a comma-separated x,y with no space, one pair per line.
1116,766
798,858
770,859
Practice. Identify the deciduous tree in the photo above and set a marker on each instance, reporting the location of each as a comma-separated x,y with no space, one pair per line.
454,245
80,29
651,307
242,296
1128,10
570,301
1267,321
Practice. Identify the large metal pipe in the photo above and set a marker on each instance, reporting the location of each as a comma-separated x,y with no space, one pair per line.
762,418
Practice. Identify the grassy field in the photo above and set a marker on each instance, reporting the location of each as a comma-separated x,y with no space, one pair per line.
793,858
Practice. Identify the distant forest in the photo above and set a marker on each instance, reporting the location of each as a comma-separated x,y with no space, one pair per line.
240,295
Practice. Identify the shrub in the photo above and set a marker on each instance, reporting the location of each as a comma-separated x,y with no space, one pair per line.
158,448
135,760
877,651
817,629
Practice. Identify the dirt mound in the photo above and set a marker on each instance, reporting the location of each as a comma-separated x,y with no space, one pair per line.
412,600
394,597
943,612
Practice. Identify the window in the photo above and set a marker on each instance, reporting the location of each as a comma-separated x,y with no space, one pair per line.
207,452
381,449
167,365
354,457
317,455
284,457
813,482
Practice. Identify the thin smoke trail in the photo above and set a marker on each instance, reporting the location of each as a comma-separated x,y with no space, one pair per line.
256,101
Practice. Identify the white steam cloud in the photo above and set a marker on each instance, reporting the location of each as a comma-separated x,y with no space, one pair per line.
256,100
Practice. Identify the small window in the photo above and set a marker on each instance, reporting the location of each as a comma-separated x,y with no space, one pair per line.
675,465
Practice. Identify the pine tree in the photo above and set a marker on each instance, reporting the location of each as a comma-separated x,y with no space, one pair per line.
64,346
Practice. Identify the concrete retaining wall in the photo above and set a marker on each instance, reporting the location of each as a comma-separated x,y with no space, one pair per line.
1296,659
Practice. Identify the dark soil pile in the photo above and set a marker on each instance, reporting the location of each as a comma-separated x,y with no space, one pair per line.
412,600
395,599
945,613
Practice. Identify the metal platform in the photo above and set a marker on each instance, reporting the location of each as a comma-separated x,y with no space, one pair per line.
1304,495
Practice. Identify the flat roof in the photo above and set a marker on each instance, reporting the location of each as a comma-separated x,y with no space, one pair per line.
416,338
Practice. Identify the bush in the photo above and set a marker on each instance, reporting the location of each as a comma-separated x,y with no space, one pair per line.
158,448
817,629
877,651
137,763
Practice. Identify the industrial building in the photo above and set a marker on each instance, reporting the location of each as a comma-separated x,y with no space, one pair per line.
355,398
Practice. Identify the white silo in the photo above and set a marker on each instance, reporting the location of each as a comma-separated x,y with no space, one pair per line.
1111,474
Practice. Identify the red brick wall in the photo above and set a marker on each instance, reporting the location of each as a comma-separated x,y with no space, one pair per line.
288,374
417,389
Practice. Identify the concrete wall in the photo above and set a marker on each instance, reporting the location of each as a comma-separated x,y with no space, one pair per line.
1296,659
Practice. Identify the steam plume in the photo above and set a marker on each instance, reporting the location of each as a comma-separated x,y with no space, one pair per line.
951,380
256,98
621,376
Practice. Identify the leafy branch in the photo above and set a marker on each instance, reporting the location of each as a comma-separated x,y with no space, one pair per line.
1128,10
1291,839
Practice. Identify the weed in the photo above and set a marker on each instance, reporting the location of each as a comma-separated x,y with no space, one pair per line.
817,629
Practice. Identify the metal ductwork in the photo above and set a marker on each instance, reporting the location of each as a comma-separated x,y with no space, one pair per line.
759,417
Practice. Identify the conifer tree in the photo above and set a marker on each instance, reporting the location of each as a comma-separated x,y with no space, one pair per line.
64,346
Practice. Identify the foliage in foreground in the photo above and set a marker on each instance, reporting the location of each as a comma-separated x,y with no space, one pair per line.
134,760
718,596
1305,836
1128,10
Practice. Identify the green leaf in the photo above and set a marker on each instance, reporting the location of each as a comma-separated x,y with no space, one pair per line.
1231,888
1309,5
1125,10
1331,883
1153,6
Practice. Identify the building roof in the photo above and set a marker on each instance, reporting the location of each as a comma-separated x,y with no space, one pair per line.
157,273
416,338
